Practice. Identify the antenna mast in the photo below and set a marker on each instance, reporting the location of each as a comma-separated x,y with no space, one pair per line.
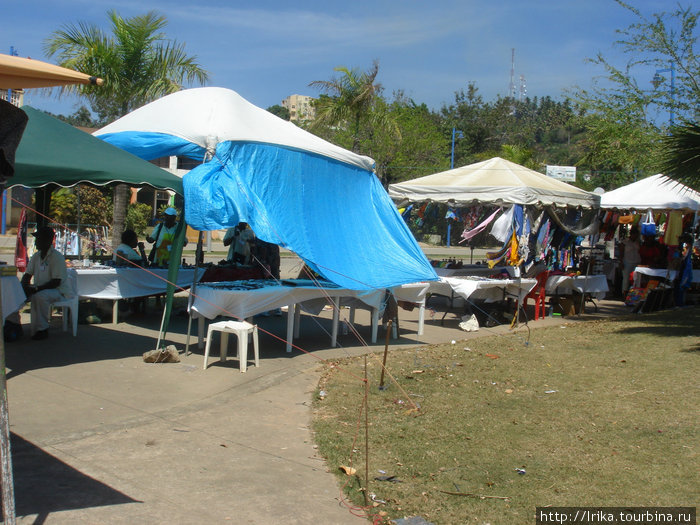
511,87
523,88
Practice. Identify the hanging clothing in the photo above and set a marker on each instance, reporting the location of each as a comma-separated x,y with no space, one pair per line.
674,228
466,235
21,243
503,226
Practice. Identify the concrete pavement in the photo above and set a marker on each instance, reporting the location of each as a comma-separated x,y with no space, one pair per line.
99,436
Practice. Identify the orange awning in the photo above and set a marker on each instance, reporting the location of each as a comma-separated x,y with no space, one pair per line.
18,73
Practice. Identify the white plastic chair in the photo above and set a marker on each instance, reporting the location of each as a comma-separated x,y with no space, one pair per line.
69,306
242,329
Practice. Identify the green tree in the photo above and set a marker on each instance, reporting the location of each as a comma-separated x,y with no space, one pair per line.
138,64
64,206
541,126
279,111
352,100
620,112
95,205
421,150
138,216
83,202
82,118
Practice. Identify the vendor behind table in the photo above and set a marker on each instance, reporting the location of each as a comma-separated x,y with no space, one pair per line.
240,240
163,237
126,251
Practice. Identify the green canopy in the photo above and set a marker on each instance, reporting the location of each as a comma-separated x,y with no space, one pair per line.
53,152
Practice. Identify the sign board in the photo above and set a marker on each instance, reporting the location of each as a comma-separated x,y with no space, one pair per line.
565,173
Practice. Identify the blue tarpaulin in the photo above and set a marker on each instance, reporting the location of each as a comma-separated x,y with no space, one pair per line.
328,208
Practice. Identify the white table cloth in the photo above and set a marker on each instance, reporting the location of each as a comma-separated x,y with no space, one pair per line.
482,270
105,282
481,288
595,285
469,287
13,297
659,272
243,299
414,293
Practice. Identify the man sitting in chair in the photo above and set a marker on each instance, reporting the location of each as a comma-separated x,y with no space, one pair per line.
48,268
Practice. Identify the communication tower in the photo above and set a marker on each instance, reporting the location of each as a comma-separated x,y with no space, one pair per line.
511,87
523,88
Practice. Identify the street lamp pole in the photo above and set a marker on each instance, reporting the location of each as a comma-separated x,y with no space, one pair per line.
458,134
658,79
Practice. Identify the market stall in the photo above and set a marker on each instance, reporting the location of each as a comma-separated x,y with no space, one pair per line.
541,219
244,299
664,212
114,284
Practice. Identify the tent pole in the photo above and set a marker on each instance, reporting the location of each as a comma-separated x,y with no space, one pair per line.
585,282
193,288
77,226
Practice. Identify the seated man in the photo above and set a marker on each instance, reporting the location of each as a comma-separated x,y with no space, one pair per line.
126,251
48,268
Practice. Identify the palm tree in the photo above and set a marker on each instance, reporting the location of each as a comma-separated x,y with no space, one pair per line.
681,155
138,64
352,101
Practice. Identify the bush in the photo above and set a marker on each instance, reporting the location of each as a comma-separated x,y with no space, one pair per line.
138,216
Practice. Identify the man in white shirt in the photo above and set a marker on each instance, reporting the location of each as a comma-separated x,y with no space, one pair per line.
239,239
47,268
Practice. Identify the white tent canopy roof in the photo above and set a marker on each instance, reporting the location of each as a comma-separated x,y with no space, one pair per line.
213,115
495,181
657,192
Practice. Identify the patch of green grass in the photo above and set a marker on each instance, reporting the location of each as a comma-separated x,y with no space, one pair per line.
602,413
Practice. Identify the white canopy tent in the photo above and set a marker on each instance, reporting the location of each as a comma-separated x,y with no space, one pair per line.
294,188
657,192
495,181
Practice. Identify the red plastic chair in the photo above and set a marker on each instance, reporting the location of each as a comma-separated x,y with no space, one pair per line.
538,294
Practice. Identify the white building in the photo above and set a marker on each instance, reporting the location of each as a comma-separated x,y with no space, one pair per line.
300,107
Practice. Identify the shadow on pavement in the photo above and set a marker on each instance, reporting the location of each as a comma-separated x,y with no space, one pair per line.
93,343
45,484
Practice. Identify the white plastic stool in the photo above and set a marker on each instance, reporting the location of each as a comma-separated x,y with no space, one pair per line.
242,329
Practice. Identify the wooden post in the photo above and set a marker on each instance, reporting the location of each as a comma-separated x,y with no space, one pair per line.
192,291
386,350
8,486
366,436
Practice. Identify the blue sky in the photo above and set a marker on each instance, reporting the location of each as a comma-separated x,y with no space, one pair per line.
268,49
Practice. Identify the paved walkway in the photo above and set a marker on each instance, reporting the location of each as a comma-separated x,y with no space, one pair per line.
99,436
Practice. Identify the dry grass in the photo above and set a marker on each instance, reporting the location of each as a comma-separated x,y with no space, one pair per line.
596,414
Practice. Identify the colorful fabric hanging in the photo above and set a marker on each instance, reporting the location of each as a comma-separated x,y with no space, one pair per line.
21,243
513,258
466,235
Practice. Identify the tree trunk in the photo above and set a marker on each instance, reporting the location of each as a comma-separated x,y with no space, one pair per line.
121,201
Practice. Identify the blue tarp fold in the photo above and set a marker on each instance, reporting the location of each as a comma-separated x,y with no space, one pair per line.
337,217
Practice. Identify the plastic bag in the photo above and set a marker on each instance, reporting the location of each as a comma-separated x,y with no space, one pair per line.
648,226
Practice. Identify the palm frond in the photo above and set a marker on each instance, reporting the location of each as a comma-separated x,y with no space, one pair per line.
681,155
